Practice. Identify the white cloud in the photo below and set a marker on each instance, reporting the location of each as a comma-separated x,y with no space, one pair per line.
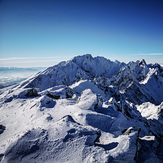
150,54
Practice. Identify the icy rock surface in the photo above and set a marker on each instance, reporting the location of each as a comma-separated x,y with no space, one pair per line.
84,110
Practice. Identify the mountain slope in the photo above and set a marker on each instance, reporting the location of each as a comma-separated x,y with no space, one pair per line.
60,115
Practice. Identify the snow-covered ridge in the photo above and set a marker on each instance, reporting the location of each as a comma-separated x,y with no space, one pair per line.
140,82
68,72
84,110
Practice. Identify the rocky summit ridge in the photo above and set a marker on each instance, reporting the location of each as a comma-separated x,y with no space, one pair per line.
87,109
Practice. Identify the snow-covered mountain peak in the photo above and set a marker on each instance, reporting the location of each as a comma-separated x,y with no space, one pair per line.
132,72
97,65
68,72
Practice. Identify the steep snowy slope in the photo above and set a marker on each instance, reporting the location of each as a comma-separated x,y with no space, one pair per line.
52,117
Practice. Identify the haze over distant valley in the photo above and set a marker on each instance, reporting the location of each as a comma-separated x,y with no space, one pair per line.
13,75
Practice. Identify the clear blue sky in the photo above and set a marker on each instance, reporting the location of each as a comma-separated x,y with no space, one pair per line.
44,32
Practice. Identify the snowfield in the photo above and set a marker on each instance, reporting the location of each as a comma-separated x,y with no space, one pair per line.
84,110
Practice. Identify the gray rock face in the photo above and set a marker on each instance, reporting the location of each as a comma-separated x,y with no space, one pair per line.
2,128
32,92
